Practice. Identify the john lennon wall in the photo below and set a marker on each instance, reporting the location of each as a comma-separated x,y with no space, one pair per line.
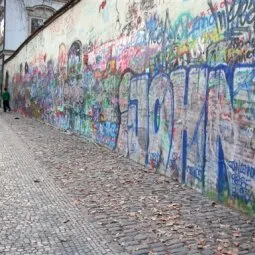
169,84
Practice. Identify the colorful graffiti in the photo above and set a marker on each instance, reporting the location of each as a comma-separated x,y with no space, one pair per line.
175,95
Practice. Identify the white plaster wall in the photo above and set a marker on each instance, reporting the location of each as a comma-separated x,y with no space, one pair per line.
16,25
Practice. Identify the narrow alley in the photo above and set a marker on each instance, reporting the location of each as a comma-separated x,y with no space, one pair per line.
61,194
36,216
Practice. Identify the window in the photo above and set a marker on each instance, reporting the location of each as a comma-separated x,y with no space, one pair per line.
35,24
37,15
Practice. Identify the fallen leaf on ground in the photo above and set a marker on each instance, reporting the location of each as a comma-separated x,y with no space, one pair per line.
220,248
236,234
170,223
175,206
201,244
236,244
76,201
226,244
214,204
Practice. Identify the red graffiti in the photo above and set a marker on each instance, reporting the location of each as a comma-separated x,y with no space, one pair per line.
102,5
85,59
62,55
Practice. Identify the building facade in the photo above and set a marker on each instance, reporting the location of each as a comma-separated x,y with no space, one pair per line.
19,19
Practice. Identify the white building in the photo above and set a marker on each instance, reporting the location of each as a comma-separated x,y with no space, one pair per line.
19,19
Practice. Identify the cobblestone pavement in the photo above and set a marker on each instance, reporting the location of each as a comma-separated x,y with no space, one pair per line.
144,212
35,215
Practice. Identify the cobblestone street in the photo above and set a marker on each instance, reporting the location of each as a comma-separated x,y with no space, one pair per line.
61,194
36,216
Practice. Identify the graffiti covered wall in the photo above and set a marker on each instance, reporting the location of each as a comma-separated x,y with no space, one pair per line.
169,84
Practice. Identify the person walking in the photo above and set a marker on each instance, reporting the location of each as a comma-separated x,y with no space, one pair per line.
6,99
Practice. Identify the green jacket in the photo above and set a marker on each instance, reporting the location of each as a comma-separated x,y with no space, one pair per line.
5,95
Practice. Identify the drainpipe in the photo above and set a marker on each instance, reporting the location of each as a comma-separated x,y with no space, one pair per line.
2,81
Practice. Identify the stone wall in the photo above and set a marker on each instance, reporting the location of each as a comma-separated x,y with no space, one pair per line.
169,84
